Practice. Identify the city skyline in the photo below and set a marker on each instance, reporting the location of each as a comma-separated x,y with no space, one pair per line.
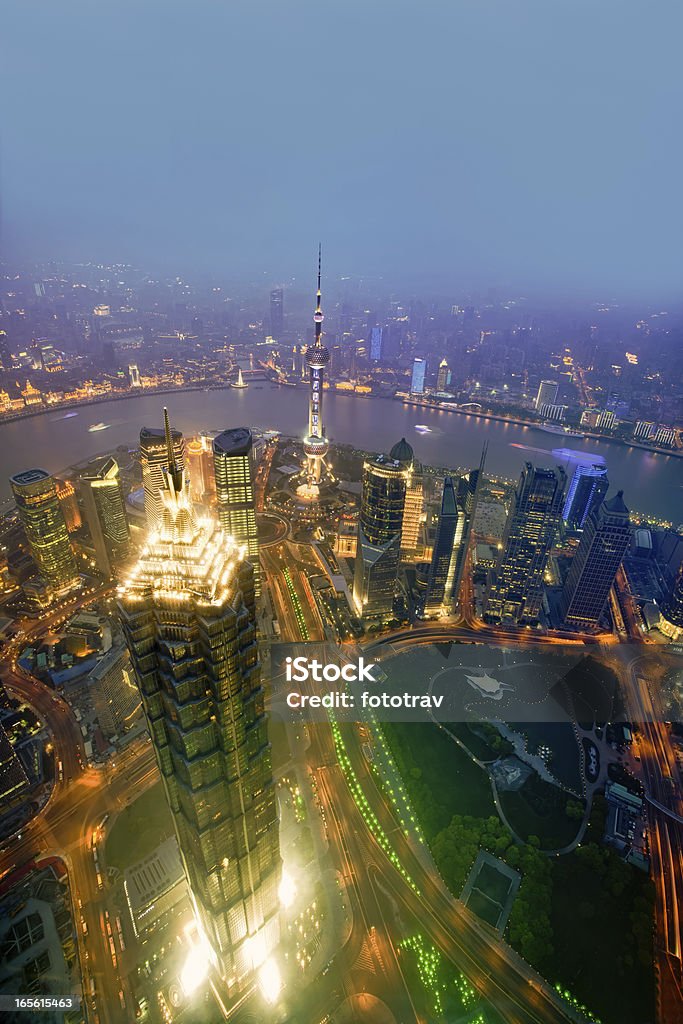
341,601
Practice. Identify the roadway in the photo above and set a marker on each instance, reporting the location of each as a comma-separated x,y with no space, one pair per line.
502,978
661,777
79,800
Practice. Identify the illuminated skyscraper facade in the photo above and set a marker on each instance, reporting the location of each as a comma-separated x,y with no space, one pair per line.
66,492
587,487
595,565
189,619
233,464
546,394
515,589
105,513
43,520
380,525
316,444
467,495
153,460
417,380
441,568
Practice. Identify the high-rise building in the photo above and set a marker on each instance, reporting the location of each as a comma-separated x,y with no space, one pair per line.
380,524
587,485
277,313
14,783
442,567
134,376
643,430
194,457
443,377
191,635
546,394
417,380
414,502
115,695
234,474
153,460
467,495
41,516
69,504
316,444
105,513
515,589
672,610
606,420
595,565
376,344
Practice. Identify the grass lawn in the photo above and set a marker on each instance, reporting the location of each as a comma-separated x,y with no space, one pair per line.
439,777
139,829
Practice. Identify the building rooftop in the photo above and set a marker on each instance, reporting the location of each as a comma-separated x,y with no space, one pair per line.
402,451
237,441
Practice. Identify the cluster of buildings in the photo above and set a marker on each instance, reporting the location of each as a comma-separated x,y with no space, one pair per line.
101,332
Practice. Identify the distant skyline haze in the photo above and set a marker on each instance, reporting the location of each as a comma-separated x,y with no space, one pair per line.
525,146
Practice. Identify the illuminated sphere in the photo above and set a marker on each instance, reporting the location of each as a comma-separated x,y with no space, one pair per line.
316,446
318,317
317,356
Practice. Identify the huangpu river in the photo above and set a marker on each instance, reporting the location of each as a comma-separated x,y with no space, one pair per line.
652,484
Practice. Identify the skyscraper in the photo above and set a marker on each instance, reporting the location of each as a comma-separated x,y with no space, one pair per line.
105,513
234,472
672,610
41,516
515,589
194,450
277,316
188,615
68,501
153,460
115,696
595,565
442,567
417,380
443,378
376,344
414,502
380,524
547,394
317,357
467,495
587,486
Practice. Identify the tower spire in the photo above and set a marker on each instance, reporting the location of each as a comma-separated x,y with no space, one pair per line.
174,473
318,315
315,443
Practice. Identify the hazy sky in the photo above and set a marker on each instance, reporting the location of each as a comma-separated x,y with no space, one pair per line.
532,143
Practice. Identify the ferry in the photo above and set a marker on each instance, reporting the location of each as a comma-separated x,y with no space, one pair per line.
98,426
240,382
422,428
555,428
66,416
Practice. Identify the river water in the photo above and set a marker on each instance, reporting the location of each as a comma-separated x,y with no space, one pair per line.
652,483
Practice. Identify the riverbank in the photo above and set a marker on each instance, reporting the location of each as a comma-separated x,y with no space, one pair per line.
533,425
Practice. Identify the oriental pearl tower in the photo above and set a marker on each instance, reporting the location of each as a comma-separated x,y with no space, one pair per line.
316,444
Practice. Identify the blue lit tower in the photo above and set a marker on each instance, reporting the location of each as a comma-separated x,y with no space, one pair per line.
315,443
